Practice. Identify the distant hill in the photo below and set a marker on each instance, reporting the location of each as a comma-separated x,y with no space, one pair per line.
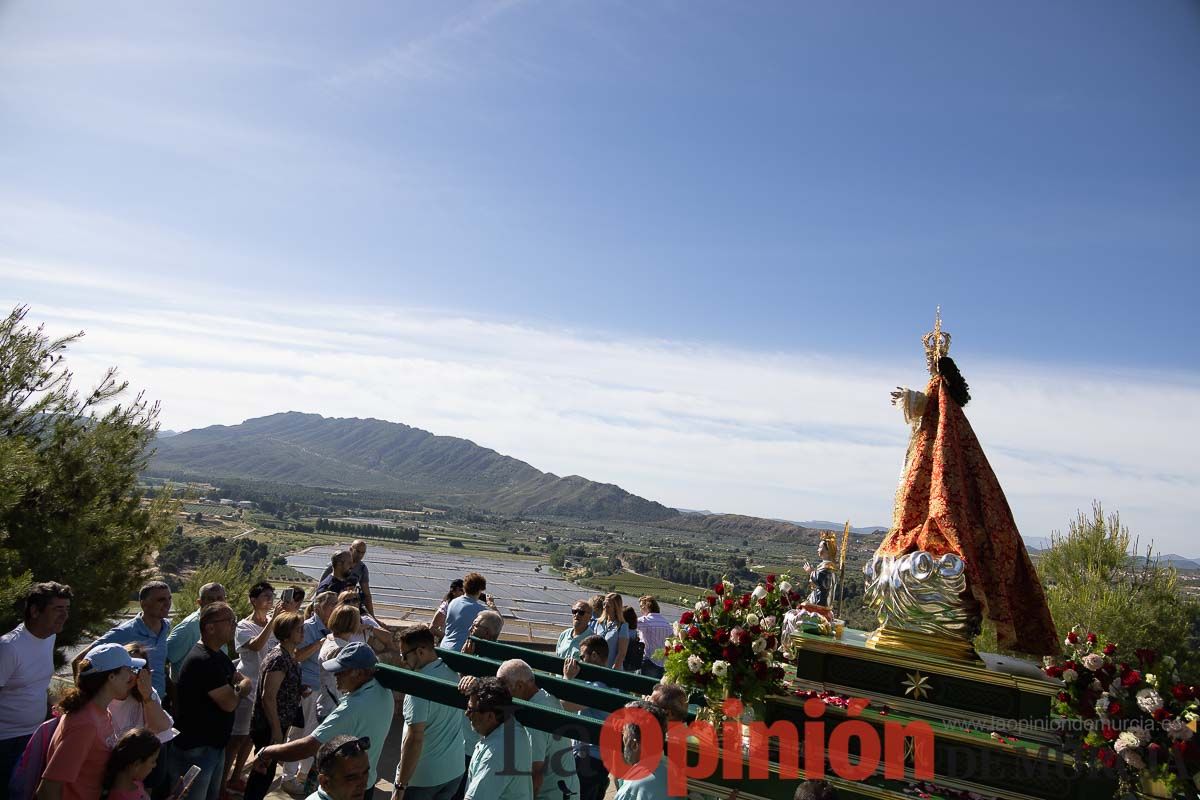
311,450
826,525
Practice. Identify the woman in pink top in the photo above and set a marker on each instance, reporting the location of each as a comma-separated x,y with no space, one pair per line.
132,759
80,746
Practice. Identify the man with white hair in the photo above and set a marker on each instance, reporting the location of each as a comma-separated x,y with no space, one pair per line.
487,625
553,764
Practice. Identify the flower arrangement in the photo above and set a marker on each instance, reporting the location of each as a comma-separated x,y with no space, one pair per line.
725,647
1139,720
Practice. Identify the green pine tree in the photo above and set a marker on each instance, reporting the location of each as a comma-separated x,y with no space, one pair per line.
70,508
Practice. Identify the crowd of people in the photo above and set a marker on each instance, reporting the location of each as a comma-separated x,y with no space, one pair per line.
220,707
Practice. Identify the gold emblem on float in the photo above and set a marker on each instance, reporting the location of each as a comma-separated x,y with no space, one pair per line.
917,685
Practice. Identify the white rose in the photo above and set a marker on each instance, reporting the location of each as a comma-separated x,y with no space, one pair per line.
1143,735
1070,675
675,627
1152,679
785,587
695,663
701,605
758,593
1149,701
769,622
759,645
1133,759
1095,687
1177,729
1126,741
1093,661
751,619
720,668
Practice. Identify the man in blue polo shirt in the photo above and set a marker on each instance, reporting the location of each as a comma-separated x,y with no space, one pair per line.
186,633
315,631
149,629
364,712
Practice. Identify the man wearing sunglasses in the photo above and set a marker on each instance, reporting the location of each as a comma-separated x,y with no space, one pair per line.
581,628
343,769
501,766
432,754
365,712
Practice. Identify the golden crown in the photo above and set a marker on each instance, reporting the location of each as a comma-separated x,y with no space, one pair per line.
830,538
937,342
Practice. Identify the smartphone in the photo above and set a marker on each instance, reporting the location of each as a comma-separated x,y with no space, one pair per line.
288,595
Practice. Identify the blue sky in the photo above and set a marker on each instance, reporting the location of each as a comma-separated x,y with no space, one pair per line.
776,194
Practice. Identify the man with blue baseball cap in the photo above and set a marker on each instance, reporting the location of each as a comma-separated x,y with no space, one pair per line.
365,712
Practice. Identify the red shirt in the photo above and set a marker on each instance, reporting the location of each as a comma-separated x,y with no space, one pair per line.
79,752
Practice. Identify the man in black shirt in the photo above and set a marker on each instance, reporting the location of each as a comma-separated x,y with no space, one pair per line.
208,693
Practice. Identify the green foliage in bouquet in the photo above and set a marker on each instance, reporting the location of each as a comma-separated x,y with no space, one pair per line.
1138,719
726,646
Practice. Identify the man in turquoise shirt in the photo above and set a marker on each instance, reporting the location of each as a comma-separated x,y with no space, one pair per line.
640,784
365,711
550,754
183,636
501,768
432,753
581,628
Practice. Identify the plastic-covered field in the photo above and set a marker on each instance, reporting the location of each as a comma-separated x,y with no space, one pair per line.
420,580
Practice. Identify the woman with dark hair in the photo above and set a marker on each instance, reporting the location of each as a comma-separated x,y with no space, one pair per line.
81,744
133,758
278,706
438,624
636,649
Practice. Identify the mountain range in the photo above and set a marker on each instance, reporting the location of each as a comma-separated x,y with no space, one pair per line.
331,453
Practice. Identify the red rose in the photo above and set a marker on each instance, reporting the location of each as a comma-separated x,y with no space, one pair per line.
1131,678
686,618
729,654
705,616
712,599
1109,649
1091,638
1054,671
719,587
762,601
1160,714
1070,665
1179,692
678,647
1107,757
744,601
1155,752
756,630
1063,697
728,604
770,577
720,635
1114,709
1109,733
770,587
693,632
1073,637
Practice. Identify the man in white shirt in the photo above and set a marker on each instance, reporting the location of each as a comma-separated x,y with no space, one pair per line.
654,630
26,667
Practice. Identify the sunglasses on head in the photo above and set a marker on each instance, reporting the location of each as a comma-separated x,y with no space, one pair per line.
348,749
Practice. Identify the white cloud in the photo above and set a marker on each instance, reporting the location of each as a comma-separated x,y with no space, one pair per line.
779,435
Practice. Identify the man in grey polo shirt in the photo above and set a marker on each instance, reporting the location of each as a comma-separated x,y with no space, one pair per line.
432,753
